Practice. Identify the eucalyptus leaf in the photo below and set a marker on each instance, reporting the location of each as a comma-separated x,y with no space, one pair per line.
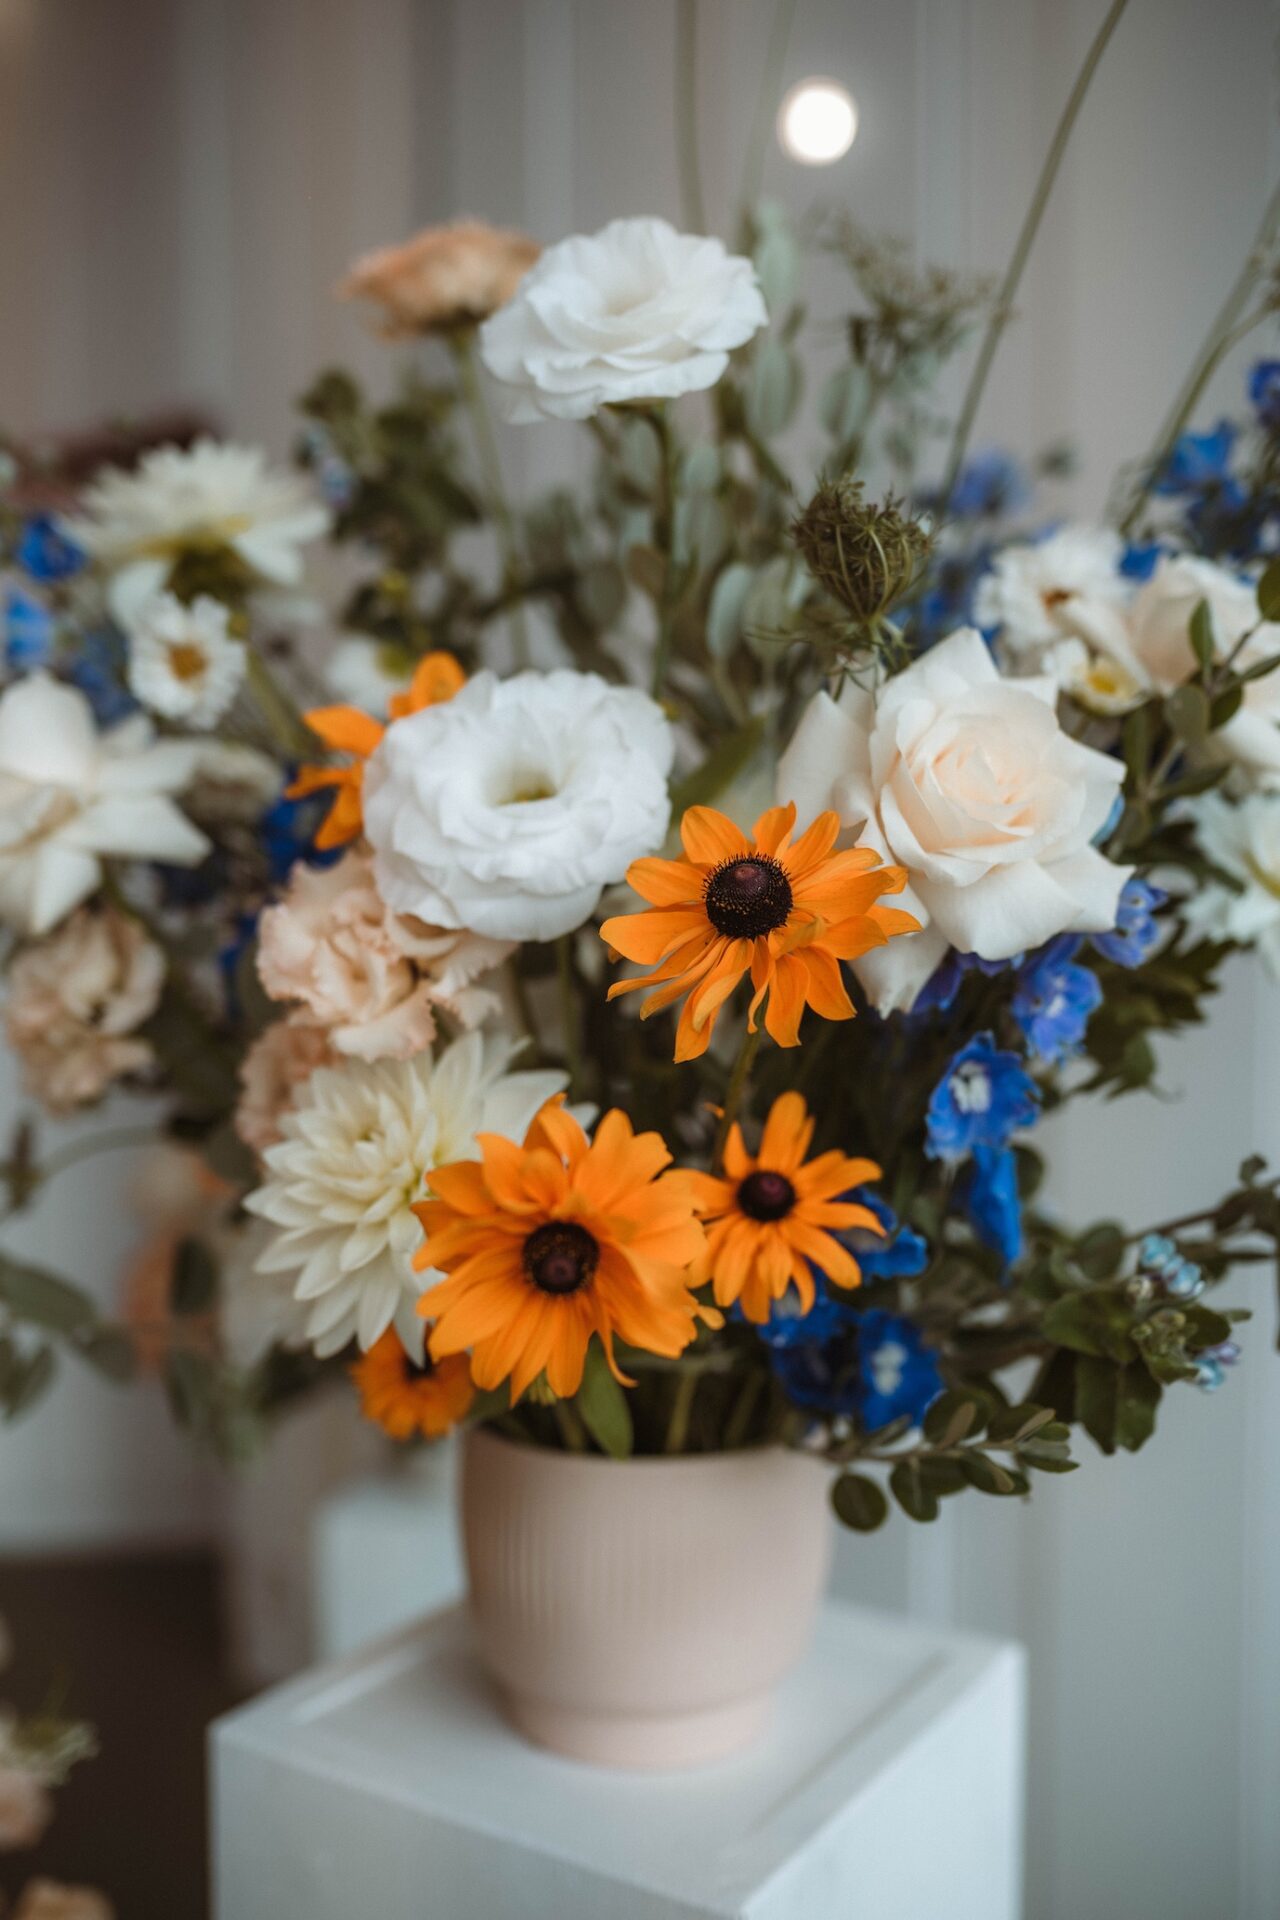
859,1502
603,1407
1269,592
44,1299
773,389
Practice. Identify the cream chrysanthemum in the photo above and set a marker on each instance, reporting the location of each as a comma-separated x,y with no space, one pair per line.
183,662
208,500
355,1153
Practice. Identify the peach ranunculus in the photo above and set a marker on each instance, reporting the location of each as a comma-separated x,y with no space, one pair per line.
74,1005
443,278
272,1074
371,978
177,1195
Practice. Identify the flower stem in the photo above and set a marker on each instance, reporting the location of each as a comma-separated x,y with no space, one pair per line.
766,103
491,470
665,534
737,1087
1002,312
1226,331
569,1010
279,712
740,1419
681,1410
572,1431
687,115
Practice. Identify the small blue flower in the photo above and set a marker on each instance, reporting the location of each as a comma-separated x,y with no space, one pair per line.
1054,999
1197,460
1264,393
1176,1276
900,1254
288,829
1137,930
28,632
98,671
1139,563
1212,1364
897,1373
985,1095
988,1190
990,484
788,1326
940,989
45,552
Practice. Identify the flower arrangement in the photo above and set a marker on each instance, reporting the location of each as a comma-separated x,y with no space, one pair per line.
612,996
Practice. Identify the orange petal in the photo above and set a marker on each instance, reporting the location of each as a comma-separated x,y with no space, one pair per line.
824,988
710,837
772,828
665,883
787,1133
785,1005
814,844
345,729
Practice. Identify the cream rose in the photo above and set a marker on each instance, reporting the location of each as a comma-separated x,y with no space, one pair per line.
1159,650
635,312
75,1002
373,979
509,808
968,781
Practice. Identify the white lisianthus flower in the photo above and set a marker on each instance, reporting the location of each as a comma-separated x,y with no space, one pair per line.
1159,644
183,662
1244,841
355,1154
635,312
70,795
508,809
1066,587
208,497
365,673
968,781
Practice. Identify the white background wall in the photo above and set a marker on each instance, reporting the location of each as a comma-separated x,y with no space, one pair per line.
181,181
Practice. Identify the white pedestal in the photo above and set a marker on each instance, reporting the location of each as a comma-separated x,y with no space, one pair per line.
384,1551
890,1788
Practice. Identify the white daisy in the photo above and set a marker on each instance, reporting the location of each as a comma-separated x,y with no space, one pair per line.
208,498
355,1154
183,662
1068,586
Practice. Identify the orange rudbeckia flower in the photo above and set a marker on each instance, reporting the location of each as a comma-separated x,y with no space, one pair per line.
771,1215
436,677
548,1243
787,913
403,1398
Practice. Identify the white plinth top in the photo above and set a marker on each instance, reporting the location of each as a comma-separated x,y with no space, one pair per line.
410,1724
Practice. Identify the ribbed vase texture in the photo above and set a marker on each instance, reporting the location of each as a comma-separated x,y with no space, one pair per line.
641,1612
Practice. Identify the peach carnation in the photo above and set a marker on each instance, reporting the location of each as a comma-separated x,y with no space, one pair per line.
25,1807
373,979
445,277
272,1074
75,1003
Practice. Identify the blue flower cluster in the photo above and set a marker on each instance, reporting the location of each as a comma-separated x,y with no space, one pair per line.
1136,931
1054,998
1228,511
46,557
983,1098
1160,1261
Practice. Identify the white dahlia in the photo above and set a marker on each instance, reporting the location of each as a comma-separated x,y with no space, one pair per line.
208,498
70,795
635,312
183,662
1067,587
355,1153
508,809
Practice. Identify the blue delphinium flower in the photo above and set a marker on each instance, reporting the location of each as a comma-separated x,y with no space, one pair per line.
789,1326
1264,393
98,670
989,484
1212,1364
1139,562
1054,999
1137,930
288,829
947,602
897,1373
1227,519
940,989
44,551
982,1099
898,1255
1162,1263
988,1191
1197,460
28,632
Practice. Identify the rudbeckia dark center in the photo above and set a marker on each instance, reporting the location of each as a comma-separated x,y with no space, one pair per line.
766,1196
560,1257
748,897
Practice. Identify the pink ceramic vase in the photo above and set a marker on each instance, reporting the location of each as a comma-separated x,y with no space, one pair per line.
640,1613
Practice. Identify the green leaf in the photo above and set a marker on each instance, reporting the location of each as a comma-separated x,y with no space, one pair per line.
845,399
773,389
43,1298
989,1476
1205,1328
1187,712
1138,1396
1226,707
1269,592
1095,1321
1098,1399
1016,1424
907,1486
110,1352
194,1285
859,1502
1098,1252
951,1418
603,1406
1201,634
26,1377
725,609
941,1473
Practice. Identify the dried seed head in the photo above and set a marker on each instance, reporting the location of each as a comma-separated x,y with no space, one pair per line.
869,556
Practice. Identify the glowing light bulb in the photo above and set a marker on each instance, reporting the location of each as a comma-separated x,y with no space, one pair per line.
817,122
